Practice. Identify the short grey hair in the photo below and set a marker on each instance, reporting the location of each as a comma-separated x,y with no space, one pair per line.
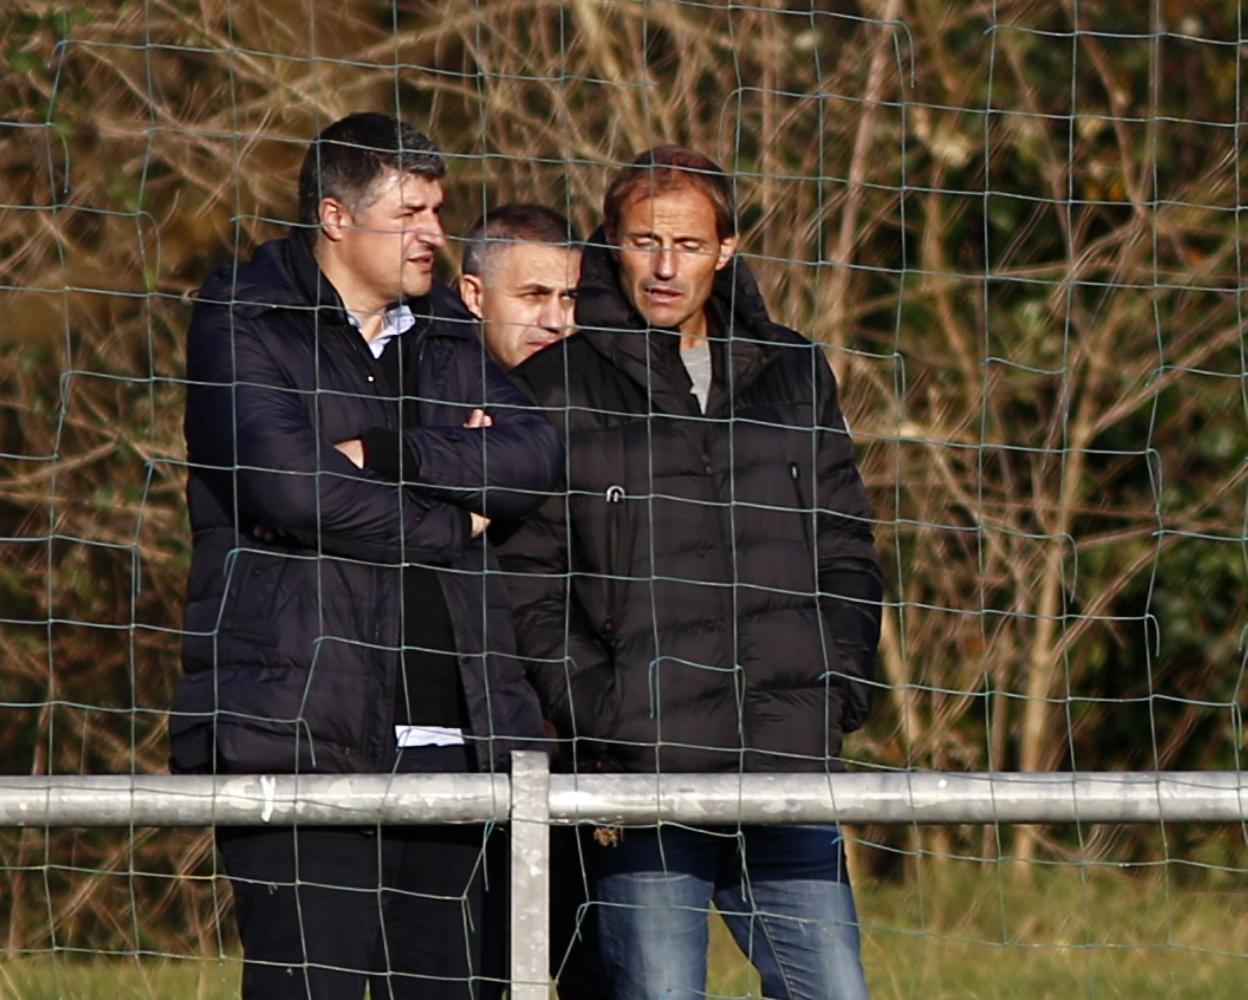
515,223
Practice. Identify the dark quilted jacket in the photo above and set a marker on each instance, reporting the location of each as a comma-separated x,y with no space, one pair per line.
290,653
707,596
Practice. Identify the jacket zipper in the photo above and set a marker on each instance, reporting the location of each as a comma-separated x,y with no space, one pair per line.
614,497
803,510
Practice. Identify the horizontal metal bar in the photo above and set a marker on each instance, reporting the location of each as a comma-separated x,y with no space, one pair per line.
906,797
252,799
885,797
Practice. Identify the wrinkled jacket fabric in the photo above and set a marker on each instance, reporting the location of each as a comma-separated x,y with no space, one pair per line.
706,597
291,643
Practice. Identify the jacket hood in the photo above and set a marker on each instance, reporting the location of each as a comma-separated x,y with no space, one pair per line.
283,274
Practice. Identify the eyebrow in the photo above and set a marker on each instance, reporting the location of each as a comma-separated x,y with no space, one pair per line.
418,206
541,286
633,234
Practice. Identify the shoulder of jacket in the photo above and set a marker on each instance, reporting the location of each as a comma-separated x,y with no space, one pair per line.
784,343
803,359
549,372
787,337
252,287
447,313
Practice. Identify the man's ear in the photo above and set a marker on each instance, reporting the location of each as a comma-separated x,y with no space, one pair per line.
727,247
334,218
471,290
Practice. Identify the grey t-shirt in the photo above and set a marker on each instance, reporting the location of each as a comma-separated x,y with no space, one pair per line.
697,362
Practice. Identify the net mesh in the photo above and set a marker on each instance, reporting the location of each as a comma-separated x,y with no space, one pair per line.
1016,227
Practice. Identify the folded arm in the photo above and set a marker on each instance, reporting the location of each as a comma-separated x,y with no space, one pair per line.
246,418
503,467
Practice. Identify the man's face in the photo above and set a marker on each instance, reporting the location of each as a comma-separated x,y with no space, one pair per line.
669,252
388,244
525,298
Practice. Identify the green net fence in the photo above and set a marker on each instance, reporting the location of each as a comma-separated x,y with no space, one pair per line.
1015,226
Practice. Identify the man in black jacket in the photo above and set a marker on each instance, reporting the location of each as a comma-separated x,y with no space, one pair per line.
348,442
521,264
706,596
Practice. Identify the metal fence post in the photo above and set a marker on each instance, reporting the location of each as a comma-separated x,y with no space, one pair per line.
530,876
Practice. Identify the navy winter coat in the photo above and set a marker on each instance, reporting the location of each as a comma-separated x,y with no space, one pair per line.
295,606
707,595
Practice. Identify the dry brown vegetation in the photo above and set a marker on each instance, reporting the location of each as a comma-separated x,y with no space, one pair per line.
1022,247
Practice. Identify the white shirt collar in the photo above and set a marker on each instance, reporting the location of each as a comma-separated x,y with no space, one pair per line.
396,322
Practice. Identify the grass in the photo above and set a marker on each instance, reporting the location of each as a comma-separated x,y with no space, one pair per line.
1065,933
60,977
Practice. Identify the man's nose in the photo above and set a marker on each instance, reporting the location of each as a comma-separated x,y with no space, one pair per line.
431,233
556,314
665,263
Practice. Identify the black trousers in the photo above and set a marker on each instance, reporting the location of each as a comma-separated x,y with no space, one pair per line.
574,959
322,911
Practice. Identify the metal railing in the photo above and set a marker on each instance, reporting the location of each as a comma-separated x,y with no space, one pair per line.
530,799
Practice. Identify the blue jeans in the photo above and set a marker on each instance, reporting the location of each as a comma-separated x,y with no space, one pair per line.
782,890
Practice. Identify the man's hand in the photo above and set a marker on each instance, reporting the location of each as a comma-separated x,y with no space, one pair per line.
354,450
479,420
262,534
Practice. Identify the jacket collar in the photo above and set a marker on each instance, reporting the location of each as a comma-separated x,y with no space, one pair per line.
284,274
313,288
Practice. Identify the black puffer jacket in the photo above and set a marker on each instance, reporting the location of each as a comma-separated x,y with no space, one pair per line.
291,643
708,589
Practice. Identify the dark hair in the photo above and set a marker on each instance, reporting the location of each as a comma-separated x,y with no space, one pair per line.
350,155
514,223
666,168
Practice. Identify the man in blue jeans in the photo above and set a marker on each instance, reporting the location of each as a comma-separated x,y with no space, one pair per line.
706,595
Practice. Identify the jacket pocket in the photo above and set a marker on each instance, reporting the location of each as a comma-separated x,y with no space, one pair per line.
803,506
252,589
254,718
238,621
